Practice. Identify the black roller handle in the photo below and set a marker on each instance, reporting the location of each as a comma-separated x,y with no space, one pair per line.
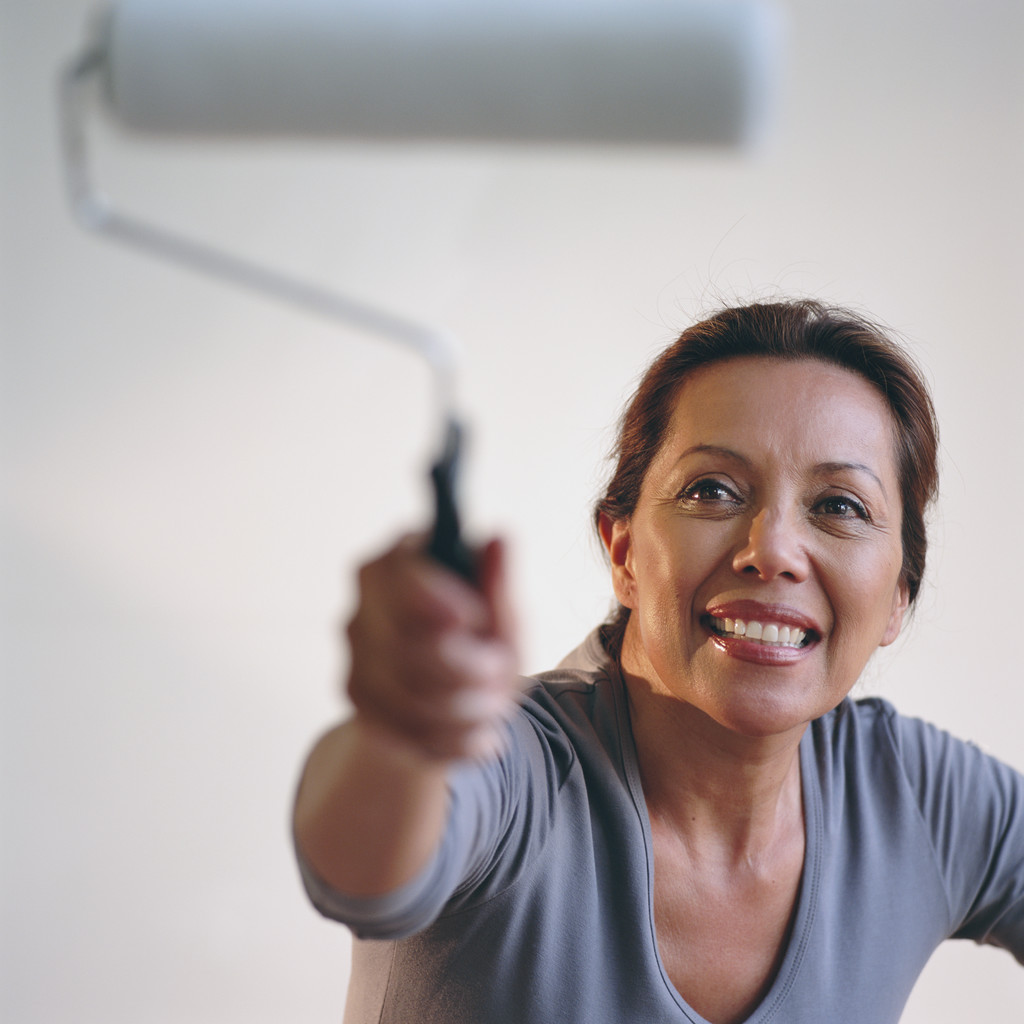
446,543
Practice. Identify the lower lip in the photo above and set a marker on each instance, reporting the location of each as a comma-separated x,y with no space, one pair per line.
759,653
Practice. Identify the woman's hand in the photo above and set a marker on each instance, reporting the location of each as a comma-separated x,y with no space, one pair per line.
433,662
433,676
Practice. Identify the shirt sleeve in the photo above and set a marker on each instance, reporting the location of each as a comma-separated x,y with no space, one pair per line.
498,817
973,808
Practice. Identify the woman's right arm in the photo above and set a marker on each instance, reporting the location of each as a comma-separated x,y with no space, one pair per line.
432,677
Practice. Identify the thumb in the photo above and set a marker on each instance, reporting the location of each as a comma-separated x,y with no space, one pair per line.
493,581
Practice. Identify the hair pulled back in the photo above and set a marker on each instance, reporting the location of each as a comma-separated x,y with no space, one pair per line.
800,329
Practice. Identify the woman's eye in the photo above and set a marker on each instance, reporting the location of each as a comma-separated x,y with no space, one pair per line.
842,506
709,490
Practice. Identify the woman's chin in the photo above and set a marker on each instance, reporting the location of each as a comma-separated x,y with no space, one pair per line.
764,714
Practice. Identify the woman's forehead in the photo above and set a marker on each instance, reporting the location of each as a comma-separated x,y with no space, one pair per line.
797,409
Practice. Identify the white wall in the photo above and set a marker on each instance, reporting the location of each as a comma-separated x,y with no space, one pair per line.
191,474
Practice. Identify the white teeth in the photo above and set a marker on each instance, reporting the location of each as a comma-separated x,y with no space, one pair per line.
766,633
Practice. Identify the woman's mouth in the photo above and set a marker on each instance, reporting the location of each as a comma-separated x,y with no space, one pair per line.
772,634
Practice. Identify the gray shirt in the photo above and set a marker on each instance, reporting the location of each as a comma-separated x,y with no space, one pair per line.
539,904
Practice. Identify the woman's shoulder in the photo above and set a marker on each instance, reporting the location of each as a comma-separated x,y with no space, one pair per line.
870,723
869,744
574,716
570,693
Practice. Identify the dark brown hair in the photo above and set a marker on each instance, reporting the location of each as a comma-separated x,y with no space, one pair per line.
801,329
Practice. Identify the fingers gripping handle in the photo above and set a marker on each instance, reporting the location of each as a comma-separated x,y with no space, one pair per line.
446,543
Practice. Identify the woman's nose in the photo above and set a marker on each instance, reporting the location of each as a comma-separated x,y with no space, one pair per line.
774,547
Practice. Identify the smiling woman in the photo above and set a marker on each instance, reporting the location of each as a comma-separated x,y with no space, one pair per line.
689,819
787,331
773,499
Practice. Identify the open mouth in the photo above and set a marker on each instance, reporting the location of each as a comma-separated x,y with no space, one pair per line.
771,634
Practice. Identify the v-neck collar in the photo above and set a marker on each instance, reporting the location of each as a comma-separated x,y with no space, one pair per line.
810,879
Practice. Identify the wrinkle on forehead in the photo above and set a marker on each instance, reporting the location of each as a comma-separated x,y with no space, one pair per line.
804,414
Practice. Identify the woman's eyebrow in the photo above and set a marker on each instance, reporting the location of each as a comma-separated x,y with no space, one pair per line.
822,468
713,449
839,467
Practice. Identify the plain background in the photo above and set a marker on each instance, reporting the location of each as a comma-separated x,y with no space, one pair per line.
191,474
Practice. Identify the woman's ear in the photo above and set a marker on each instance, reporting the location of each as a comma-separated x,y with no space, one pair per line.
617,540
900,603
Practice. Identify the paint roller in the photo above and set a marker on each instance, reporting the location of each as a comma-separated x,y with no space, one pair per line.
591,72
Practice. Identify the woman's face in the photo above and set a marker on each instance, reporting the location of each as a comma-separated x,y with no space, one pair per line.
762,562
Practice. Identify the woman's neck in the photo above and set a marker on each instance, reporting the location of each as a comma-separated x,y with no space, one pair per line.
732,797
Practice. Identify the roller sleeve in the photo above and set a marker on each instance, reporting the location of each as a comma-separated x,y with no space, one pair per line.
601,71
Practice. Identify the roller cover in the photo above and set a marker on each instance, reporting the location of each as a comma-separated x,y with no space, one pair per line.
603,71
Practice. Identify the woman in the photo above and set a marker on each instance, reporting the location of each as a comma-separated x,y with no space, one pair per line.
689,820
